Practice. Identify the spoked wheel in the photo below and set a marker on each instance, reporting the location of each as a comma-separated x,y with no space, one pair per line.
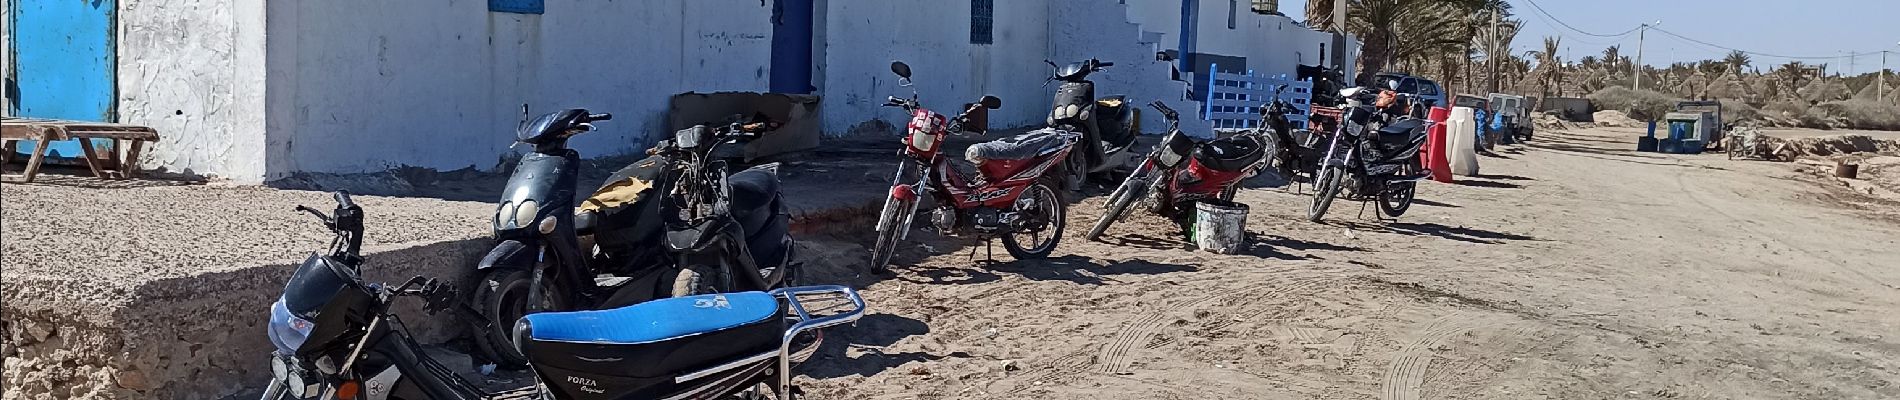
1395,200
891,225
1040,204
1325,187
502,298
1130,190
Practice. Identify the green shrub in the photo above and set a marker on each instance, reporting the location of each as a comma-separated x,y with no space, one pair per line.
1639,104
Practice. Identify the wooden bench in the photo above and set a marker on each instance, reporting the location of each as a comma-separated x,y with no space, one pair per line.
47,131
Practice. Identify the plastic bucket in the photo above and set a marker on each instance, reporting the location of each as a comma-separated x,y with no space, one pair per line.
1220,226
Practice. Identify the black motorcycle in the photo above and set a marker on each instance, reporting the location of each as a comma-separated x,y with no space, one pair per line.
549,257
1373,155
335,338
1108,125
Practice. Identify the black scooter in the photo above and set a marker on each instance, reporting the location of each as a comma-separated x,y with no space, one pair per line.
549,257
1108,125
336,339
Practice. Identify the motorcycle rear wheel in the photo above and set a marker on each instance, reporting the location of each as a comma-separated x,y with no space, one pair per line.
1131,189
1326,186
1054,214
1394,201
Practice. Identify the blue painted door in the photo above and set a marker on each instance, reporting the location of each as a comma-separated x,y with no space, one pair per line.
65,60
791,46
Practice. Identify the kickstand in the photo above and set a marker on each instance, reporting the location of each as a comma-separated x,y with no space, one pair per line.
1362,210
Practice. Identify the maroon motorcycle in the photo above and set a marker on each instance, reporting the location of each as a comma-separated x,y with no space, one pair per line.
1181,171
1012,194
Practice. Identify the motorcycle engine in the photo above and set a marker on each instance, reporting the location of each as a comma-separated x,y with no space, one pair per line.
989,220
945,220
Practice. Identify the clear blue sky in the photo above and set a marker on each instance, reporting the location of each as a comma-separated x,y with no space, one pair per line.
1826,28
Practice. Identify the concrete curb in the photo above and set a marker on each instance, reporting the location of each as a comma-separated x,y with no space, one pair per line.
191,337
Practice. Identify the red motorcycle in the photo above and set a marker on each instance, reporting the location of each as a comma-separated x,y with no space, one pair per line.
1181,171
1011,196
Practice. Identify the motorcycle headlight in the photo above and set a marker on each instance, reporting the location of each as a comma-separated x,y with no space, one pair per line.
287,331
524,214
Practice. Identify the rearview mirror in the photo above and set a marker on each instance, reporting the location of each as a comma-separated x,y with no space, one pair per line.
1392,84
901,69
991,102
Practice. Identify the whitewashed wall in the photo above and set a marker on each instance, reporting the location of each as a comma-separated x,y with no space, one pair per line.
363,85
860,38
193,70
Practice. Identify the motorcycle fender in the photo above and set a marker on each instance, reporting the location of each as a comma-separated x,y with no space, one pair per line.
509,253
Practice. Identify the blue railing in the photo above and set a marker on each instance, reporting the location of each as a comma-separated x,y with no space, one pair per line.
1233,101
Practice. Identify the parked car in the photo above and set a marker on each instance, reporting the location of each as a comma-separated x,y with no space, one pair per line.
1424,89
1512,116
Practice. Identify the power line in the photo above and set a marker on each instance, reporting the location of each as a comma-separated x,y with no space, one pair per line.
1553,18
1704,43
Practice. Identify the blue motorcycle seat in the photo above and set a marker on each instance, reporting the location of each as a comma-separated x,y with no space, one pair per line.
655,321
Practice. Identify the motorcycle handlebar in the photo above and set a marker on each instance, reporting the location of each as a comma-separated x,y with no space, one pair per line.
1169,113
1104,64
600,117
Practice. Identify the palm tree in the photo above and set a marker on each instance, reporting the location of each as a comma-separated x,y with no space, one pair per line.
1550,69
1612,55
1507,33
1319,15
1735,61
1377,22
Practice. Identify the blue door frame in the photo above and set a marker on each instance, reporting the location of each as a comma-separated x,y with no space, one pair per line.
791,46
65,62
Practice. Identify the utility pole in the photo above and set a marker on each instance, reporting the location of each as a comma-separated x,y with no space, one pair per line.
1638,68
1880,89
1491,53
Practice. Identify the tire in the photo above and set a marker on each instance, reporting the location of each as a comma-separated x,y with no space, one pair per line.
1131,189
1325,186
1048,201
500,297
891,227
1394,201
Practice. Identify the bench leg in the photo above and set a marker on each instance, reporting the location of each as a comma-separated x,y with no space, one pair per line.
39,155
11,147
118,161
130,167
92,157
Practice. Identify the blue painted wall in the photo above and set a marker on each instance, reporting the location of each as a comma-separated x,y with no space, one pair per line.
65,61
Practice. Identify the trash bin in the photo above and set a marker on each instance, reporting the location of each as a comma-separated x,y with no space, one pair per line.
1220,226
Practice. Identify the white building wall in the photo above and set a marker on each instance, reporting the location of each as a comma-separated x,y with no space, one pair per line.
862,37
192,69
363,86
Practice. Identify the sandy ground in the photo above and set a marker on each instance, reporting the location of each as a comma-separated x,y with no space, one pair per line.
1578,270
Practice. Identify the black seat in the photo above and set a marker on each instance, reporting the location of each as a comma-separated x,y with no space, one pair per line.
1115,121
1231,154
760,211
659,338
1019,147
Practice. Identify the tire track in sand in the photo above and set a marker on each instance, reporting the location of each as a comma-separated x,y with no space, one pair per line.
1406,375
1114,358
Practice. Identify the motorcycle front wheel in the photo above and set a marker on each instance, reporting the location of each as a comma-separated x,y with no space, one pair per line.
1047,206
1131,189
1395,200
892,223
1326,186
502,299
